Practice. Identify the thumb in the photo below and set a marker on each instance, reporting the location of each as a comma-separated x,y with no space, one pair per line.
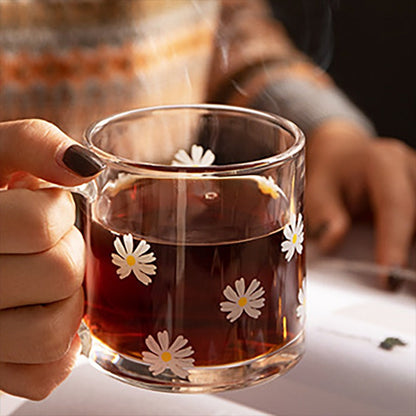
328,219
41,149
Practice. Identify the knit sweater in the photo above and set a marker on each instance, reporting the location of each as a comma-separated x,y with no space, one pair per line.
257,65
74,61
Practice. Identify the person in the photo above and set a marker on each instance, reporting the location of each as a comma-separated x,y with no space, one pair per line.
253,64
349,168
42,257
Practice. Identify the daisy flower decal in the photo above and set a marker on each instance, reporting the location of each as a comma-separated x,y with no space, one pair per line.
162,356
268,186
241,300
197,157
300,310
294,237
133,260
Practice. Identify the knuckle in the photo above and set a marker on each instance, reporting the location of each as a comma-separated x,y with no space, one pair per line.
40,390
55,344
35,125
67,259
60,327
36,220
343,224
31,226
30,386
338,228
52,219
29,382
42,232
393,147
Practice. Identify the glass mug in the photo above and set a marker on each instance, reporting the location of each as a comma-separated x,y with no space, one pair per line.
195,270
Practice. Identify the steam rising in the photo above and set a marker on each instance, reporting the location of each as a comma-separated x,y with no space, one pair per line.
309,23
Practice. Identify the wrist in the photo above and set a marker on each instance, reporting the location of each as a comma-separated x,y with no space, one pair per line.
340,129
335,142
310,104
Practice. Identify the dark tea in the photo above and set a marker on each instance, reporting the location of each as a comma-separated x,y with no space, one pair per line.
210,266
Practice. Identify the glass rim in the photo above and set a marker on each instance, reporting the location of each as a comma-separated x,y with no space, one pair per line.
279,158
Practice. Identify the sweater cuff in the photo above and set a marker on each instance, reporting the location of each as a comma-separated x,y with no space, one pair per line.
307,104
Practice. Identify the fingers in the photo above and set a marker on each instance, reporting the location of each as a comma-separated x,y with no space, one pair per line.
41,298
36,381
40,334
40,148
45,277
24,180
327,217
33,221
330,145
42,256
392,187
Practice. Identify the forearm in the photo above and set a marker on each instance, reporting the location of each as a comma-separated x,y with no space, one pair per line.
310,105
256,65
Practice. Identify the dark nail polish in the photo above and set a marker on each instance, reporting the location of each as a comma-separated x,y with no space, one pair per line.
393,282
81,161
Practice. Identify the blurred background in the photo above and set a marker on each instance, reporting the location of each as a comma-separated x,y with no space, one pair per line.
72,62
368,48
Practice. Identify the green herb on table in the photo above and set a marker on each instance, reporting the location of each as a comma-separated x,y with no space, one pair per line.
390,342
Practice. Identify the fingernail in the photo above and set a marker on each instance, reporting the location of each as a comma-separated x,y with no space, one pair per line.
393,281
81,161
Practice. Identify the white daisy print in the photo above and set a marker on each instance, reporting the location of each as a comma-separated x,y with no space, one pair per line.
133,260
241,300
294,235
268,186
162,356
300,310
197,157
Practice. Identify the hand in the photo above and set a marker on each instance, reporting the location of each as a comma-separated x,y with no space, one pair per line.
349,174
41,257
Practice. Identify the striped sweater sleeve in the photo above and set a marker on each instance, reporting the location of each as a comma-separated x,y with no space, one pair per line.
256,65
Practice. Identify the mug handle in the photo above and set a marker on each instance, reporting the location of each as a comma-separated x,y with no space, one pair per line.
89,191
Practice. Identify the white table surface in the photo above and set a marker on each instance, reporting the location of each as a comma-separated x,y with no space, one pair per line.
344,371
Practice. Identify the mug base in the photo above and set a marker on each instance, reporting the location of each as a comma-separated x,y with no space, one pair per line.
200,379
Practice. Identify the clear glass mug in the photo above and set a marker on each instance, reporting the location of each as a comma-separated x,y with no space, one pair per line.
195,269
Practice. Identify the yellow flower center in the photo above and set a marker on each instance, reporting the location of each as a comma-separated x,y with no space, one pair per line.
294,238
242,301
166,356
130,260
